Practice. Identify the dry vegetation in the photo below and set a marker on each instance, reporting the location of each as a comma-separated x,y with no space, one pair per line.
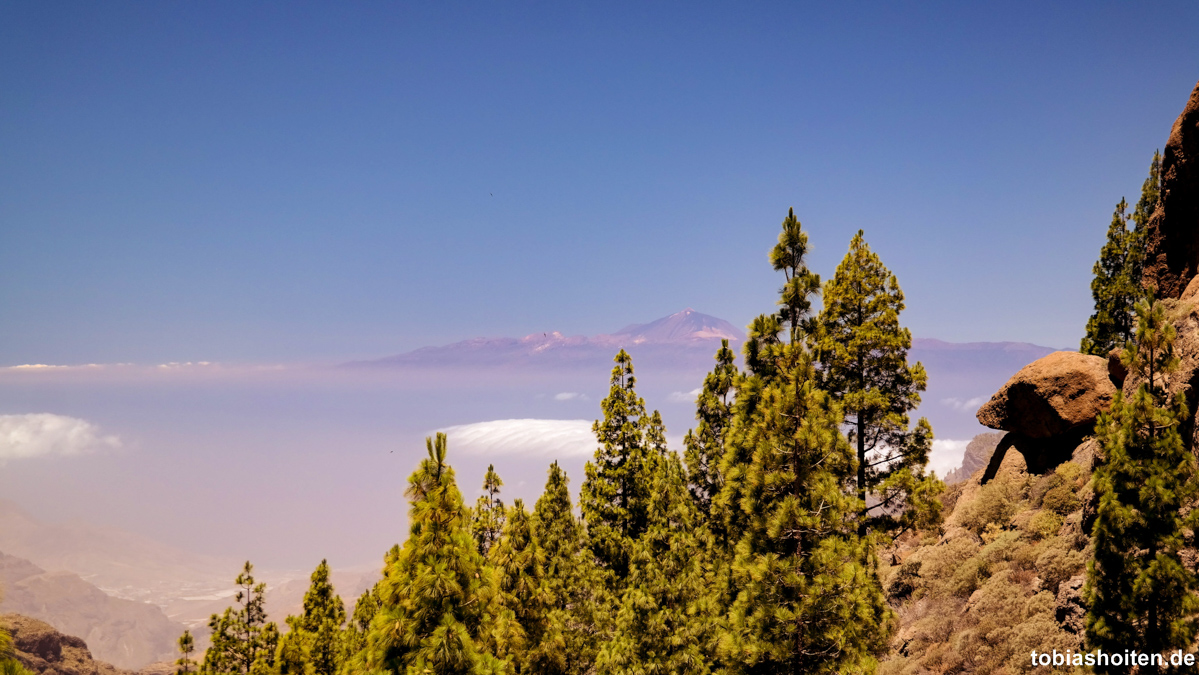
982,592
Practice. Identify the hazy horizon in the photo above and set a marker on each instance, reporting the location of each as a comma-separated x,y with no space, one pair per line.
236,198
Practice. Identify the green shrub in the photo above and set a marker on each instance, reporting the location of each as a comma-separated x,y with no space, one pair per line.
1045,524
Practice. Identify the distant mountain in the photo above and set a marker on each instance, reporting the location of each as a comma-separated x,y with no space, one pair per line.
120,563
684,339
685,326
125,633
122,592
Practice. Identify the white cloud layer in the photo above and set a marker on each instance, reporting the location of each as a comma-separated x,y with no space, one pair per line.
946,455
970,405
523,438
46,434
570,396
683,396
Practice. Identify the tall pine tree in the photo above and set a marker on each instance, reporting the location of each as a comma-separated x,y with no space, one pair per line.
863,353
487,519
807,596
578,616
664,622
520,563
187,646
1116,287
705,444
243,641
1138,590
358,626
615,495
432,607
314,642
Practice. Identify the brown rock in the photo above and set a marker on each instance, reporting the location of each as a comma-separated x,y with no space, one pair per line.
978,454
45,651
1117,372
125,633
1052,396
1069,610
1172,235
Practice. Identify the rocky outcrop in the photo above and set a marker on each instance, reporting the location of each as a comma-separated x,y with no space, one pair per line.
124,632
1069,609
1052,396
45,651
1172,235
978,453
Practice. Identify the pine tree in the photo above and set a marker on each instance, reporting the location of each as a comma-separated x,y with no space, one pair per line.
314,641
432,614
577,602
1151,191
187,647
1114,290
520,563
1117,287
242,640
615,496
487,519
354,636
807,597
664,622
763,348
1138,590
863,357
292,656
705,444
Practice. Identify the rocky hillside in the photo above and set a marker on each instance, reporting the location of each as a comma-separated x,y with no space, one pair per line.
126,633
1003,575
45,651
978,453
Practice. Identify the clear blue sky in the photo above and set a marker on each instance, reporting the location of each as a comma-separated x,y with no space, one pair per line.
292,181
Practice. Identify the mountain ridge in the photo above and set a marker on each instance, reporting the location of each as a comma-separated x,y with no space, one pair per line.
687,338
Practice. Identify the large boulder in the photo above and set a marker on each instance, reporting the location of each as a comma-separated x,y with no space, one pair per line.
1172,235
1052,396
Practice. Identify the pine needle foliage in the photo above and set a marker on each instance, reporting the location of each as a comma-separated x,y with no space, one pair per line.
572,584
705,444
1117,288
809,599
615,495
243,641
314,642
806,596
487,519
358,626
431,616
187,646
863,353
520,562
1138,590
664,620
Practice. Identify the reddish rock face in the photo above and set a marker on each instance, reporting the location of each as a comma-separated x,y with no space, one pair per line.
1051,396
1172,246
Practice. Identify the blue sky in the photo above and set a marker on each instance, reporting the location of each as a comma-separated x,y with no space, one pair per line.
264,183
292,181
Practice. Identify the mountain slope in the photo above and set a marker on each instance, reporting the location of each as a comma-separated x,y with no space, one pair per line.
120,563
126,633
681,326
